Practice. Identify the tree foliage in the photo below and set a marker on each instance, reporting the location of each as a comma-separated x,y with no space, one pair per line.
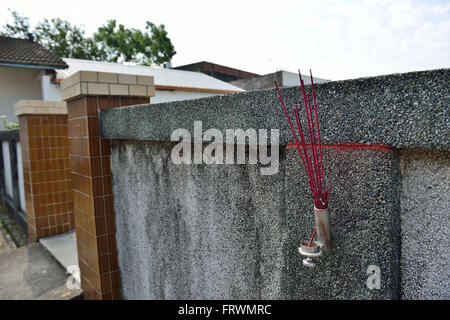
20,28
112,42
63,38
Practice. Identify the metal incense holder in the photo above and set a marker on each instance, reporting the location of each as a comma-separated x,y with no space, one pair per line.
323,229
324,242
310,252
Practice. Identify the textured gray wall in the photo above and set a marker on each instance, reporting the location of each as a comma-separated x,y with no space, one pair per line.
365,222
226,232
425,224
195,231
408,110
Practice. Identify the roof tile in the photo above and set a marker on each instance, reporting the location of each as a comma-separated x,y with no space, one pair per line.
27,52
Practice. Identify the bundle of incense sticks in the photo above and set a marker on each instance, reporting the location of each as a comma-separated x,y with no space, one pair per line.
312,159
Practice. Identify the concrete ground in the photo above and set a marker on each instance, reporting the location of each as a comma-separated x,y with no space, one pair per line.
34,271
31,273
63,247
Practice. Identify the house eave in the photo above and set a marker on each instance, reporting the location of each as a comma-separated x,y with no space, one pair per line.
31,66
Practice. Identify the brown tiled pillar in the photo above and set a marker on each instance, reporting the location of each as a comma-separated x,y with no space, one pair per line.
86,94
46,167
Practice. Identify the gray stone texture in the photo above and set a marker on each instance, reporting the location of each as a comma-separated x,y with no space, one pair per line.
365,225
226,232
408,110
425,224
196,231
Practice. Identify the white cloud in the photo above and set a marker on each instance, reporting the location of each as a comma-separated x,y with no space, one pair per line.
337,39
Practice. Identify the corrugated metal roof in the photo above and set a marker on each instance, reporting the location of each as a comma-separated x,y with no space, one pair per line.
163,77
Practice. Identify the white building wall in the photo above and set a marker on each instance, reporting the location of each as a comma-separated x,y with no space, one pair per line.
292,79
17,84
177,95
20,174
7,168
50,91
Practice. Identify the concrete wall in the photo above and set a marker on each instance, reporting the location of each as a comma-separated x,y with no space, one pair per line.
425,224
17,84
185,235
225,231
403,111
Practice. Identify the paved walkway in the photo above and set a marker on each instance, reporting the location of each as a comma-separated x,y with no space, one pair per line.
35,271
31,273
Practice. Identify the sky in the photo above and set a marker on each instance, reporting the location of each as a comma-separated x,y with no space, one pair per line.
336,39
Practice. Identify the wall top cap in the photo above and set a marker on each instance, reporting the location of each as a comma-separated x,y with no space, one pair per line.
106,84
39,107
406,110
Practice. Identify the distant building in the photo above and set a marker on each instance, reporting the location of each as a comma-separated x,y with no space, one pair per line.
218,71
27,71
283,78
170,84
247,80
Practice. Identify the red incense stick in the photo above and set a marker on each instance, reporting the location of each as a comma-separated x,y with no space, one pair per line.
312,237
312,161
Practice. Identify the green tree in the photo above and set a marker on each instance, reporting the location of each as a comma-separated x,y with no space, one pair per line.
149,47
20,28
111,42
64,39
